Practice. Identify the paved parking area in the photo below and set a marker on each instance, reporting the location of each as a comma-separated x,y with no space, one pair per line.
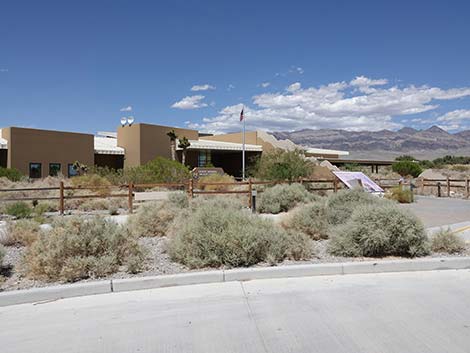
419,312
436,212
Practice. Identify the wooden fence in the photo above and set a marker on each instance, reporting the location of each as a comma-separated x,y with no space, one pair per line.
444,186
192,187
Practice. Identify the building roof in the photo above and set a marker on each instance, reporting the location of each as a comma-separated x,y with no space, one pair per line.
107,145
322,151
202,144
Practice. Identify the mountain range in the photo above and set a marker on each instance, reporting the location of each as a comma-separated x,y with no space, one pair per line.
384,144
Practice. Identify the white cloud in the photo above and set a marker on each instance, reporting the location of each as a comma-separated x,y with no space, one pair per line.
205,87
126,109
190,102
293,87
338,105
230,87
265,84
455,116
3,70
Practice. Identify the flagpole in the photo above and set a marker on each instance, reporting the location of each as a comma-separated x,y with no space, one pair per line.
243,151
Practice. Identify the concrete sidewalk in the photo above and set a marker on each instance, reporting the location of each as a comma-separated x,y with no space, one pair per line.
415,312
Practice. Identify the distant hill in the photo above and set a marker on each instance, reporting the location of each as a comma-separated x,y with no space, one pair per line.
425,144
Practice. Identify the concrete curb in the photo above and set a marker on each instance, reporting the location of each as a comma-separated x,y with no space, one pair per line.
38,295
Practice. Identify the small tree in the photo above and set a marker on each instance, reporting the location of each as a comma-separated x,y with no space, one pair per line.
405,168
172,135
184,145
282,165
80,168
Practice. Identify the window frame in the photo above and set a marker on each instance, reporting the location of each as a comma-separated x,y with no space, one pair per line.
40,170
70,167
58,171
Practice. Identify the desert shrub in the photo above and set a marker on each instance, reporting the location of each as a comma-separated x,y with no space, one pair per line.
445,241
283,197
94,205
379,230
93,181
152,219
19,209
45,206
76,248
400,194
22,232
2,255
309,219
282,165
179,199
406,167
11,174
159,170
216,178
340,205
212,236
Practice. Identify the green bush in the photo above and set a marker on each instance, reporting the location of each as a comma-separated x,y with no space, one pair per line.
216,178
46,206
11,173
211,236
380,230
400,194
159,170
283,197
282,165
179,199
445,241
22,232
406,168
152,219
309,219
77,248
92,181
19,209
340,205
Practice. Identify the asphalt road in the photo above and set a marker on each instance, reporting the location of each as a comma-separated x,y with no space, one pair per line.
396,312
435,211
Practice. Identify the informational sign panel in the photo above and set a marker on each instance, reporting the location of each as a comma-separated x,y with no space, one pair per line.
357,179
202,172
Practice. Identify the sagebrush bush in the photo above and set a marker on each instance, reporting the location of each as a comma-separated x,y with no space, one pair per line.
283,197
445,241
401,195
46,206
152,219
22,232
282,165
2,255
76,248
95,205
309,219
179,199
340,205
216,178
380,230
93,181
19,209
211,236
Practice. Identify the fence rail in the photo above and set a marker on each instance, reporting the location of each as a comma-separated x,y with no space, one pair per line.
191,187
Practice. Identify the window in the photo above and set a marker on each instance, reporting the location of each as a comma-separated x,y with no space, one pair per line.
54,169
204,158
71,171
35,170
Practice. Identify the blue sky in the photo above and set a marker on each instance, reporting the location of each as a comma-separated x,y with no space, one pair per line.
324,64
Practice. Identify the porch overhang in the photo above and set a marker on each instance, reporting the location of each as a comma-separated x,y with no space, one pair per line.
202,144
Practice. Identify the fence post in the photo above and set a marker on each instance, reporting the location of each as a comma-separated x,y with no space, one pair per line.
335,184
190,188
250,191
422,185
130,198
467,188
448,187
61,198
438,189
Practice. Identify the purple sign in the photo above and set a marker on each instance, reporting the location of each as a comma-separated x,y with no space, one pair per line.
353,179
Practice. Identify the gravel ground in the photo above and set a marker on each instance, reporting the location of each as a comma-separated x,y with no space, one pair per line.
159,263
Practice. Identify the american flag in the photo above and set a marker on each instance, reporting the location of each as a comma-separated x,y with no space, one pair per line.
241,115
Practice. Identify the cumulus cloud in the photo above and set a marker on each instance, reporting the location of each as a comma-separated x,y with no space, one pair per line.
455,116
126,109
190,102
361,104
205,87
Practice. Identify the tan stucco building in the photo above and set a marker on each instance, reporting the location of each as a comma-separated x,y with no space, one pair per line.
39,153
